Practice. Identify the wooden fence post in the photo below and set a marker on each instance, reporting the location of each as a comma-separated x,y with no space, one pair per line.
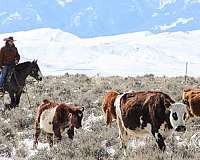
186,70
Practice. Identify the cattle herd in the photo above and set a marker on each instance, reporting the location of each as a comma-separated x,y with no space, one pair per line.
136,114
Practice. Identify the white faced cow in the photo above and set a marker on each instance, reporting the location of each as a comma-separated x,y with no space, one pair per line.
141,113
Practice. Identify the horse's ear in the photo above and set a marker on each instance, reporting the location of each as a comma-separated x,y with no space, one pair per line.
34,61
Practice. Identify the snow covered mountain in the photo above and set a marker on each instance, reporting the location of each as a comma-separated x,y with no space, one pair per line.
130,54
91,18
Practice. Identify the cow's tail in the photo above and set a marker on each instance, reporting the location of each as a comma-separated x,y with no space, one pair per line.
108,106
41,108
120,100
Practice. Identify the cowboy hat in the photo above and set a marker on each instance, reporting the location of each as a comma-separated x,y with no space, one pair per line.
9,39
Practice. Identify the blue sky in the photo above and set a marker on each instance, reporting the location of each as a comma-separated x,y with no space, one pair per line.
91,18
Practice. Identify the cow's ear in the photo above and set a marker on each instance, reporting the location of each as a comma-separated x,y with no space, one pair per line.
82,109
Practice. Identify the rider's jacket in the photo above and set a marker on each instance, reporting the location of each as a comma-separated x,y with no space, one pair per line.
8,54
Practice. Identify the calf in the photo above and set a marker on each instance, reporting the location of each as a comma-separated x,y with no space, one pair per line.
141,113
53,118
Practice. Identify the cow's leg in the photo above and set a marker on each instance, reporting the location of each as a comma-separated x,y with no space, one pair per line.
159,139
49,137
70,133
57,133
107,118
123,136
37,134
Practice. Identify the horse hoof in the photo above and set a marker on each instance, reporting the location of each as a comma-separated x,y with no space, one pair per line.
8,107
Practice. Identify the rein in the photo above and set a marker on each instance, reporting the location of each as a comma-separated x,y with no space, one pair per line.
16,79
27,95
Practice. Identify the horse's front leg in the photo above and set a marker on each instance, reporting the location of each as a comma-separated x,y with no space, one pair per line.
18,96
13,100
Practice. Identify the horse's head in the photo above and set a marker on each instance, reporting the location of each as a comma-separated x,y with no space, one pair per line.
35,72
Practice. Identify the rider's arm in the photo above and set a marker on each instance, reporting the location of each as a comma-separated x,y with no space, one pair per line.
17,55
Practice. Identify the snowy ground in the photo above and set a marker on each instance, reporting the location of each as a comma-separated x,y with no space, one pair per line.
131,54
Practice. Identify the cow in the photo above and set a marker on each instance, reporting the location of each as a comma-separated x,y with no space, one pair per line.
144,112
54,118
108,106
191,97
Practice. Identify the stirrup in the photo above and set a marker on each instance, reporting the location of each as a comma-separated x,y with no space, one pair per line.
1,94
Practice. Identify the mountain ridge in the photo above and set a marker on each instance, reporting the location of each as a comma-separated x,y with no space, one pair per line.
130,54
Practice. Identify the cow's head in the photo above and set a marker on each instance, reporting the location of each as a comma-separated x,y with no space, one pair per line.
178,115
76,117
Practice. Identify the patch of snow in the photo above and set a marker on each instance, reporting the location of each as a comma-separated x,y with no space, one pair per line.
108,146
5,158
63,2
29,146
92,119
136,143
7,120
174,24
111,151
12,17
163,3
195,141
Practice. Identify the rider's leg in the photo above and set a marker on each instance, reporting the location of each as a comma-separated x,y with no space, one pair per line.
3,75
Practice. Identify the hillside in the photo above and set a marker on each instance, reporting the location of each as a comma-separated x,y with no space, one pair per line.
130,54
94,140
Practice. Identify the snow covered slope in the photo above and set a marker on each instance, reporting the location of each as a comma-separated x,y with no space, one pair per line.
130,54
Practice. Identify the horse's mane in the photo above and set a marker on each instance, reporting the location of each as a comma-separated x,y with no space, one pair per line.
22,66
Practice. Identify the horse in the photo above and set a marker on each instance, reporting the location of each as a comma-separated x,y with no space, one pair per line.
14,86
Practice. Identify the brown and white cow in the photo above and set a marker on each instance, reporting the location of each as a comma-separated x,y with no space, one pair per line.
191,97
141,113
53,118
